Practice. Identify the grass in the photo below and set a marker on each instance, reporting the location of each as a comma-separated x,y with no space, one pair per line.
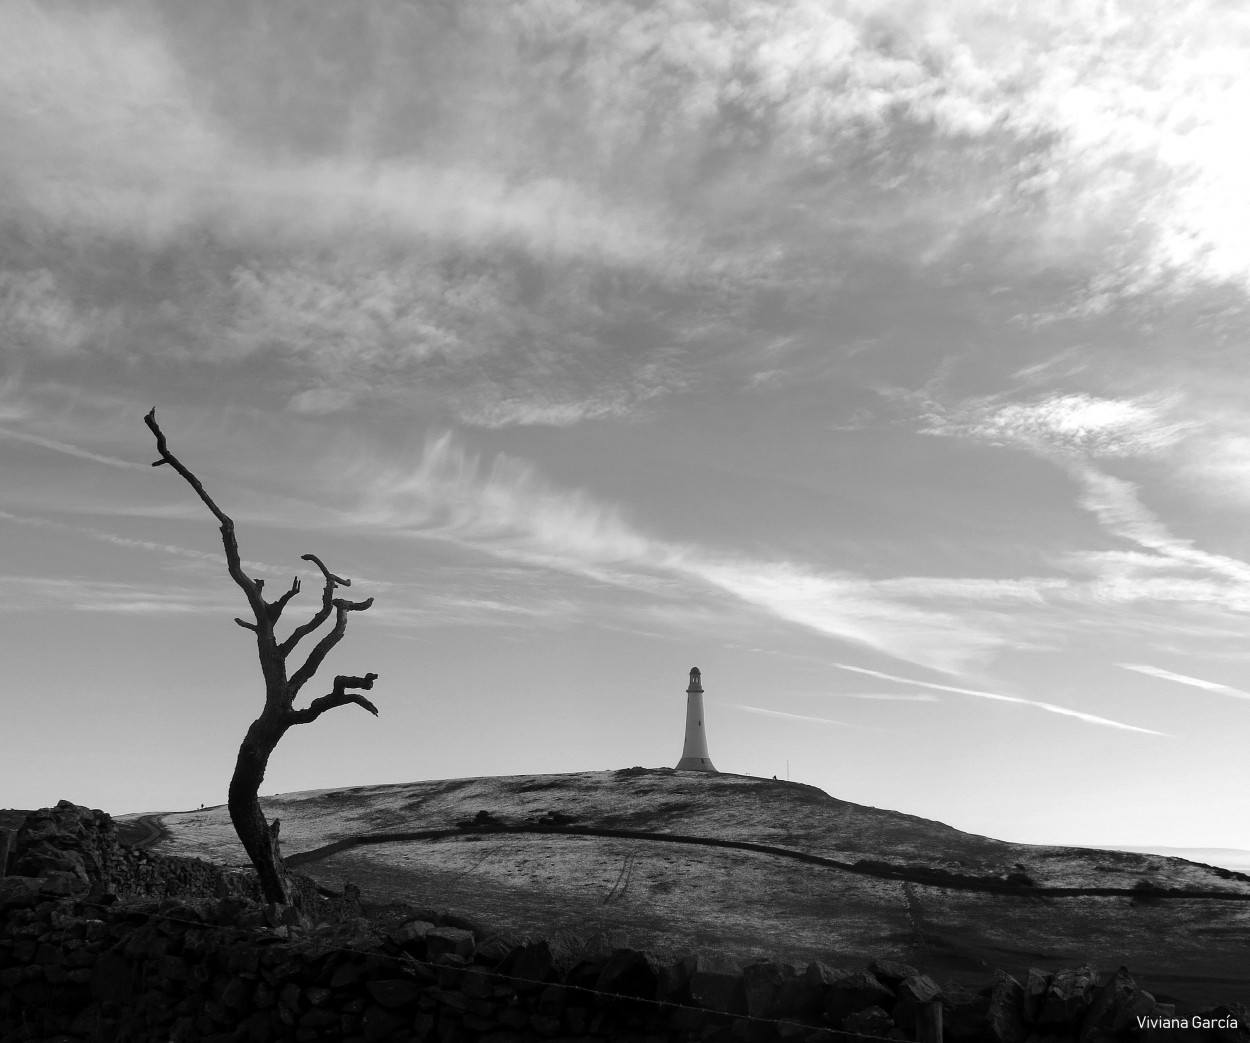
672,898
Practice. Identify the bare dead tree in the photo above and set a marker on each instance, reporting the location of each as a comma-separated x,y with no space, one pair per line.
260,839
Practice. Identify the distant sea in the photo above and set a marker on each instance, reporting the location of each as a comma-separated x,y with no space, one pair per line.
1224,857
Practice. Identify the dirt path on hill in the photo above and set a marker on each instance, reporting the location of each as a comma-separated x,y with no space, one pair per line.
144,832
880,870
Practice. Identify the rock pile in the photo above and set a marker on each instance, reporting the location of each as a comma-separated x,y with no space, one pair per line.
94,966
232,970
71,850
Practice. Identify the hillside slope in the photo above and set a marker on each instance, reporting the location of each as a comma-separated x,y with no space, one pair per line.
675,897
731,807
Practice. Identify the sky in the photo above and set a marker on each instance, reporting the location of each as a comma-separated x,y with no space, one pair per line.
886,361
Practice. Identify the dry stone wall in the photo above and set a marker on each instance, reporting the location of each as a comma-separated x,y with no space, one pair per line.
208,962
72,849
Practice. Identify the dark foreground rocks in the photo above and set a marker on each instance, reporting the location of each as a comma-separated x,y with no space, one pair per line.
206,961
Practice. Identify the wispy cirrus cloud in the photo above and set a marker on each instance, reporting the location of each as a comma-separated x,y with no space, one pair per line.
1114,501
83,595
1167,568
783,715
157,547
891,697
1063,711
507,509
68,448
1185,679
1078,432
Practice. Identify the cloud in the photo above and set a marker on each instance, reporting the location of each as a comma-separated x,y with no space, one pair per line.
1195,682
514,412
1064,711
1027,590
847,606
24,592
148,546
346,271
1196,574
795,716
107,130
1074,431
685,162
508,510
1077,425
68,449
904,697
38,312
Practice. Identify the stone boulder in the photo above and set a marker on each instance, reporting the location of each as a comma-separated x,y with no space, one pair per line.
914,993
1005,1016
454,940
394,993
1067,997
627,973
531,966
716,984
1105,1005
856,992
673,984
1139,1005
1035,986
965,1013
764,983
410,936
891,973
19,892
803,995
871,1021
70,839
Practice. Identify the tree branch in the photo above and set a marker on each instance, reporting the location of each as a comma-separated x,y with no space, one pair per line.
273,609
245,624
339,697
233,562
323,613
339,580
322,648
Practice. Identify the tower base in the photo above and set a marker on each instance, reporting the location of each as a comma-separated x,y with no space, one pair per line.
696,764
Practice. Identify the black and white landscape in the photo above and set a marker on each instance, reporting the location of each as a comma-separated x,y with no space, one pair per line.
886,361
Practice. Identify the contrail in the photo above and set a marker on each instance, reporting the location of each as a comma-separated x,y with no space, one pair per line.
1195,682
1049,707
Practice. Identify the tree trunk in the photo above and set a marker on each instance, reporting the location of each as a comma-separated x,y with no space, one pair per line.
260,840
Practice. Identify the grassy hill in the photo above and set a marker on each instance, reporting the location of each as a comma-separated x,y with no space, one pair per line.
891,884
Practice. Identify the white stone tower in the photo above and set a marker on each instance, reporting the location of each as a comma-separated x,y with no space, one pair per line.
694,753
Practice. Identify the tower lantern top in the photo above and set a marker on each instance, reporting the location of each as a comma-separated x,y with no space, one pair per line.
695,683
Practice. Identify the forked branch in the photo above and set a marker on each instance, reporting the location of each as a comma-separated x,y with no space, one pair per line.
339,697
273,609
323,613
322,647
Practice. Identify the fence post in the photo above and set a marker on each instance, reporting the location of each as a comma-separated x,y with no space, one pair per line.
6,841
929,1022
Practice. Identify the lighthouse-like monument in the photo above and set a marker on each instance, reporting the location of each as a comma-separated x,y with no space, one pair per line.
694,753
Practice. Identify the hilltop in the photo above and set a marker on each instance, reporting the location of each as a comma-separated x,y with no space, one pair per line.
586,854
